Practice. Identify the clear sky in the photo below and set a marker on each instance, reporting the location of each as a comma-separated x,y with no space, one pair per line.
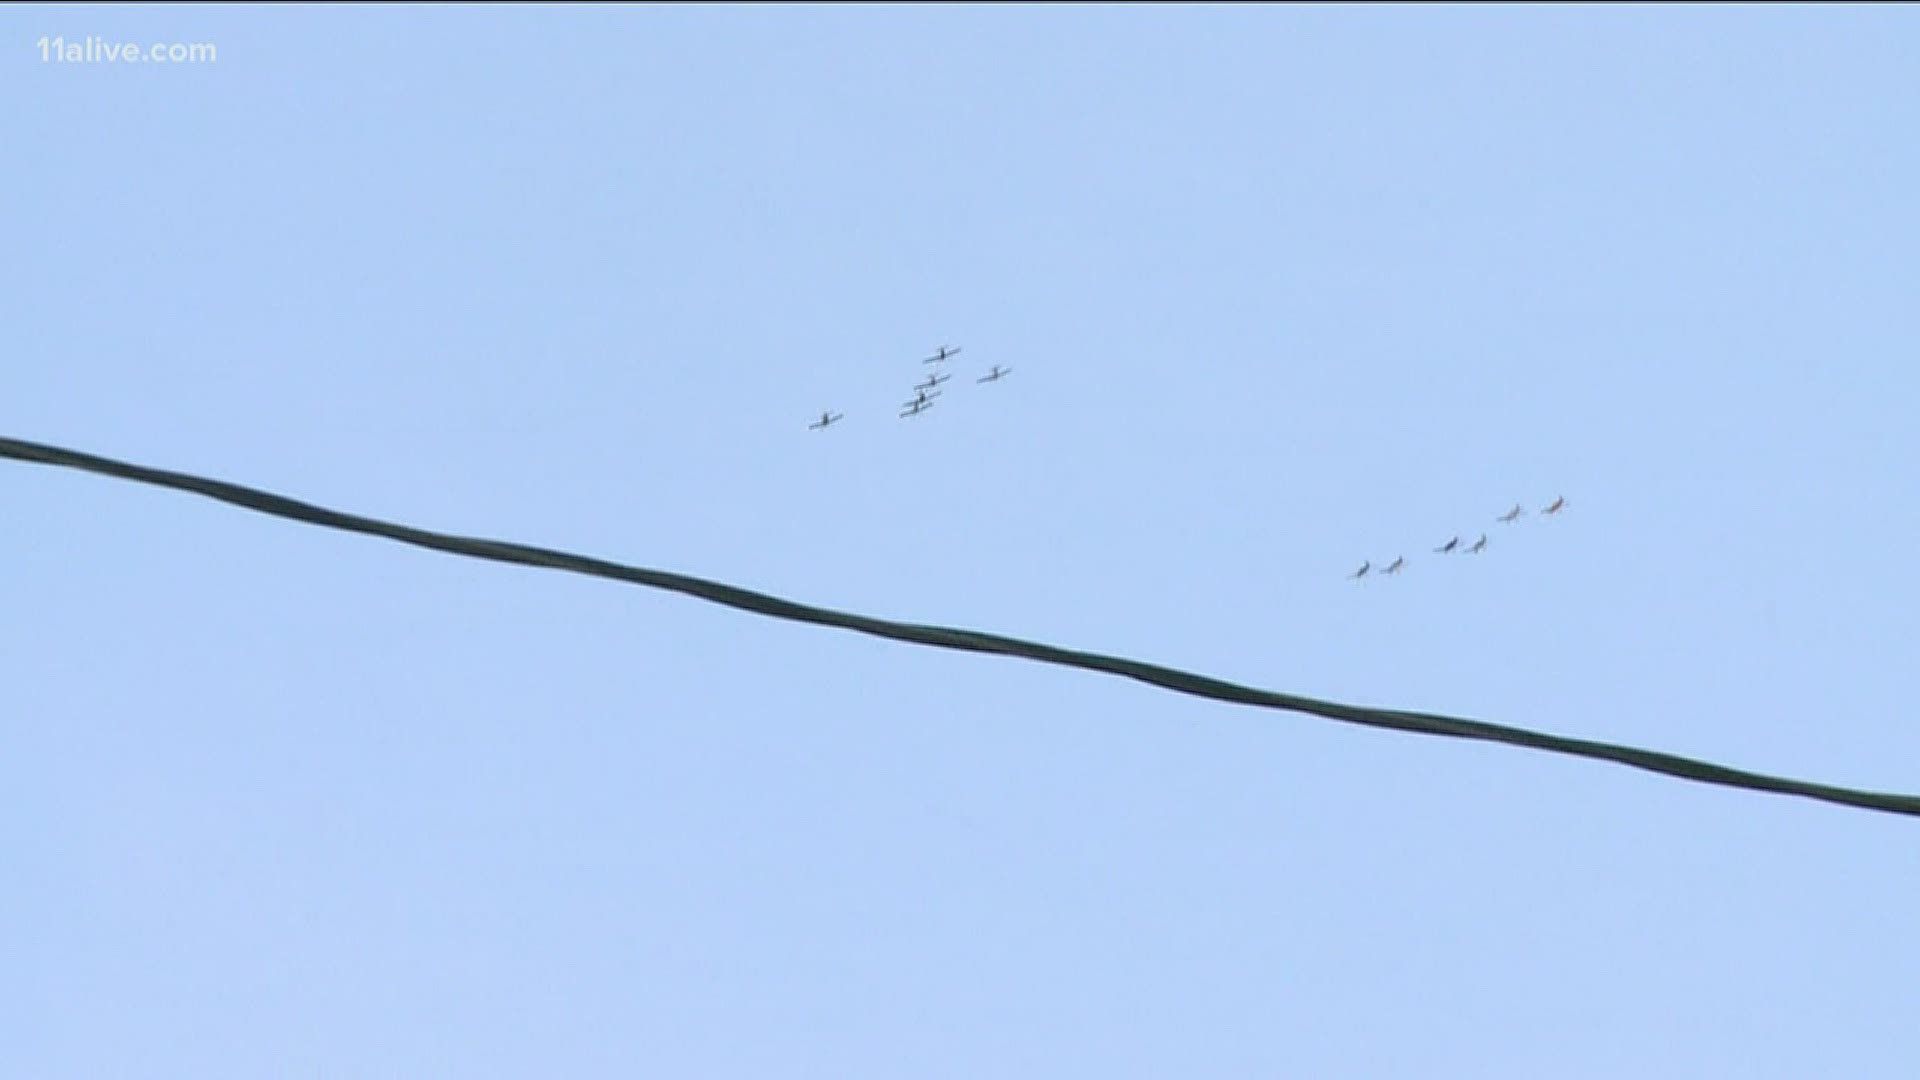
1282,289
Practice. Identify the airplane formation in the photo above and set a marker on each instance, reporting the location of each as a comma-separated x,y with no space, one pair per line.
1453,545
926,393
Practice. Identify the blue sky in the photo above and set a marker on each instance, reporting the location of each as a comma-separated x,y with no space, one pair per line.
1283,290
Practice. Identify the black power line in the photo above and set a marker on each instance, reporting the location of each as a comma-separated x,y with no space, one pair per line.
968,640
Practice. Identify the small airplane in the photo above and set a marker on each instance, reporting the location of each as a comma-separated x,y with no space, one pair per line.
1479,545
922,398
1447,548
1362,572
917,406
942,355
1558,502
1512,514
1395,567
825,420
933,380
998,372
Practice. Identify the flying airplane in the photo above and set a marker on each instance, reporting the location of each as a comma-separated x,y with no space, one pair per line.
1362,572
922,398
1558,502
1447,548
1479,545
1510,515
933,380
1395,567
917,406
825,420
998,372
942,355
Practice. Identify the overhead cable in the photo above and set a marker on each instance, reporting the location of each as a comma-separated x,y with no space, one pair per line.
968,640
